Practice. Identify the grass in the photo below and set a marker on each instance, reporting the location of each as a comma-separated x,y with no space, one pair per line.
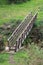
4,58
25,57
19,11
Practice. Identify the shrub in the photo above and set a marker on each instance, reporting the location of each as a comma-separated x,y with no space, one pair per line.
1,44
16,1
2,2
12,1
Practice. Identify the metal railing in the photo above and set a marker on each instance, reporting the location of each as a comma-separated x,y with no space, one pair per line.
24,28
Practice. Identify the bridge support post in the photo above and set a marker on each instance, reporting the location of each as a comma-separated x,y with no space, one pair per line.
7,46
16,47
22,37
27,30
25,33
20,42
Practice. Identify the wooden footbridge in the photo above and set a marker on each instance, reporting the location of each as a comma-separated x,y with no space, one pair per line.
20,33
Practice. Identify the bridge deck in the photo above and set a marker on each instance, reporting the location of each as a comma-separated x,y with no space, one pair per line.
16,34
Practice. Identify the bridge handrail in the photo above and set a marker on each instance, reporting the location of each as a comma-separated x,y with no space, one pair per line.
18,26
27,26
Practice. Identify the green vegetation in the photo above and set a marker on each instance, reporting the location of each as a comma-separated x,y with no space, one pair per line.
16,1
4,59
1,44
12,1
31,56
19,11
3,2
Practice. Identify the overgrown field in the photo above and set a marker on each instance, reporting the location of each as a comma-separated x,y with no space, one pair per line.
30,56
33,55
19,11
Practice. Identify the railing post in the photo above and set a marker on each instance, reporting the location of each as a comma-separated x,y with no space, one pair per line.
20,42
16,46
7,46
25,33
22,37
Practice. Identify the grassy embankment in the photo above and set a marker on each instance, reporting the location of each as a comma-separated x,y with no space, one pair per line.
19,11
32,56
